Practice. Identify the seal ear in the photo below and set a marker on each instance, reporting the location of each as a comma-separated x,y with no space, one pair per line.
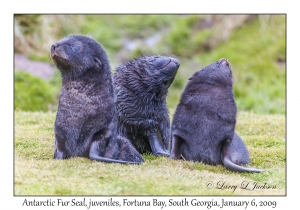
98,61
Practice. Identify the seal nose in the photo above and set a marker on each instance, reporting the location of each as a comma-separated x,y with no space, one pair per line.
161,62
54,46
176,62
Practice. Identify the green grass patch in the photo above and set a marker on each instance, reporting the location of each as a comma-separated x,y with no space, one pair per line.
37,173
32,93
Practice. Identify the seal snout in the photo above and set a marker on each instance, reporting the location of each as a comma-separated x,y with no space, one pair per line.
161,62
176,62
166,63
53,49
54,46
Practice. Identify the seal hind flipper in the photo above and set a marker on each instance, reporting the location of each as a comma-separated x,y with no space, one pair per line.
234,167
94,155
235,153
123,150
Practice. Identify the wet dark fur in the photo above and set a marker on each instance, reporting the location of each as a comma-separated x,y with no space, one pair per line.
85,125
204,121
141,87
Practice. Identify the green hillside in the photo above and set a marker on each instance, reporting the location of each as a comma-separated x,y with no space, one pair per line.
254,44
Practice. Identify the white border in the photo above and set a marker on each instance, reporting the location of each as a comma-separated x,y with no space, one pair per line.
8,201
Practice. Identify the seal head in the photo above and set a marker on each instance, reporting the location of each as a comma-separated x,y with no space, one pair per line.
76,54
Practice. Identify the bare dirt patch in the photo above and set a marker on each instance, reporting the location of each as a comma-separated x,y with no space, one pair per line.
37,68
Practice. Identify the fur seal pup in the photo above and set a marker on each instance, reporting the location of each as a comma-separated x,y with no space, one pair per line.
141,87
204,121
85,125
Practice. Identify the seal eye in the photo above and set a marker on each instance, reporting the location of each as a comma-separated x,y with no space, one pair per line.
75,48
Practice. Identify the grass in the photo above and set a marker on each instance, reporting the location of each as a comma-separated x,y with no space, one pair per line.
33,93
37,173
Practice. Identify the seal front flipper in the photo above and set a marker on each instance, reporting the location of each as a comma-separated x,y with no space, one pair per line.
94,155
59,154
234,153
60,151
157,146
175,147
